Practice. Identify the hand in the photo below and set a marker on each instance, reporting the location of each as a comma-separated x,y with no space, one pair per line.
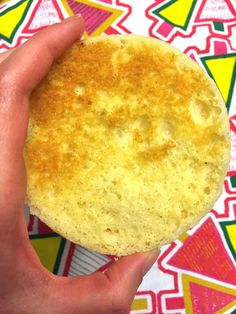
25,285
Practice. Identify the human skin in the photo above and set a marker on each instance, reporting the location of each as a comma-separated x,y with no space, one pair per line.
25,285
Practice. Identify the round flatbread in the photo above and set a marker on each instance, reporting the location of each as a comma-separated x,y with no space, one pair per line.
128,144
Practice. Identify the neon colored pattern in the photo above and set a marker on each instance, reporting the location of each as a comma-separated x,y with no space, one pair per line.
197,272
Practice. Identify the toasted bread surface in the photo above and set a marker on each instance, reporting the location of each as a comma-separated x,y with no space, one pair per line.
128,144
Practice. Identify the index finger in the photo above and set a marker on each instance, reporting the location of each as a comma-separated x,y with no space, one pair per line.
19,75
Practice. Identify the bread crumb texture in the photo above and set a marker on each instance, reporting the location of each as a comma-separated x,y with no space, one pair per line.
128,145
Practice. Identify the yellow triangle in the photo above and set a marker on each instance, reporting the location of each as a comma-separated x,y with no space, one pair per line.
11,17
231,230
177,12
222,72
47,250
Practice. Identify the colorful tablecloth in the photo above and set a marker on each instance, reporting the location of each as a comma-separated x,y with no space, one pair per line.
197,272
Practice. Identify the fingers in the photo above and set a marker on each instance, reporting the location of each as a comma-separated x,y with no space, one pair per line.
28,64
109,292
19,74
126,276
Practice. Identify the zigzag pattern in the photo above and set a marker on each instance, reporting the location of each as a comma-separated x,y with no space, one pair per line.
204,30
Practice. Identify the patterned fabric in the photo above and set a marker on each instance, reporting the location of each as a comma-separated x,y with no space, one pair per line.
197,272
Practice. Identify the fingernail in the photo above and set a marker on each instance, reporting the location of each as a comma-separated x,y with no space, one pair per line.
72,18
150,260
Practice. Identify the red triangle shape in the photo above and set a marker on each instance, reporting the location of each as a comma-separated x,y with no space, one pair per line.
93,16
207,300
204,253
47,8
218,11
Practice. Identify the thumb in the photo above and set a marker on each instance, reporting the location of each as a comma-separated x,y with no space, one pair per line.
127,273
103,293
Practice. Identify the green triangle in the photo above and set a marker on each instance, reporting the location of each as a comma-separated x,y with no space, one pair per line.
11,19
176,12
229,230
48,248
223,70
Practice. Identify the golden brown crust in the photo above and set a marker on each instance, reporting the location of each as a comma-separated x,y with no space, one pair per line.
121,122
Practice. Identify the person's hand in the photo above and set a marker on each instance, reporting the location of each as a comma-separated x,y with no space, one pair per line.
25,285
